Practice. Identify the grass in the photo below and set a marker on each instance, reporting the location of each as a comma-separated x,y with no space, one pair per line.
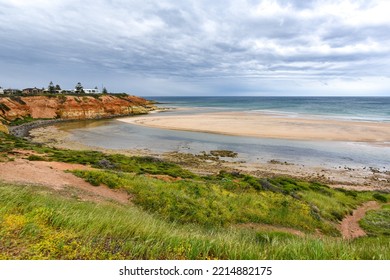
9,143
39,224
207,204
216,201
180,215
23,120
377,222
117,162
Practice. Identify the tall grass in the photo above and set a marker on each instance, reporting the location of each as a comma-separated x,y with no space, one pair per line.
377,222
37,224
210,204
218,201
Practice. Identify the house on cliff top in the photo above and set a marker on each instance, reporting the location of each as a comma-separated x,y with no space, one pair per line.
32,91
93,90
12,91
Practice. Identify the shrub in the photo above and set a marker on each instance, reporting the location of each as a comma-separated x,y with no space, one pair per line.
105,164
380,197
35,158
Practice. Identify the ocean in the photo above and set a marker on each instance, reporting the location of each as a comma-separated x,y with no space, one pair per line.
352,108
119,135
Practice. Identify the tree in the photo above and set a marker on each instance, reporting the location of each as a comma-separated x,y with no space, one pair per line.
51,88
58,88
104,91
79,88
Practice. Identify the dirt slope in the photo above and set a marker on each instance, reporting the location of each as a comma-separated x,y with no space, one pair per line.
350,227
53,175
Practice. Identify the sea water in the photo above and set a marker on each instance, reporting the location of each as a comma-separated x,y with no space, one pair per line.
352,108
119,135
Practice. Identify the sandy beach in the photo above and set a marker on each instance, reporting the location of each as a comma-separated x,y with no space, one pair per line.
271,126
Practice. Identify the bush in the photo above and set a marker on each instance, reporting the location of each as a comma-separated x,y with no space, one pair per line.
105,164
35,158
380,197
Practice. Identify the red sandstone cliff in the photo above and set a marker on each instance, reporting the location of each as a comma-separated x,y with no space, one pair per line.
71,107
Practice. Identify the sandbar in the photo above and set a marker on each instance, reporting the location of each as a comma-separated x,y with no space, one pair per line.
271,126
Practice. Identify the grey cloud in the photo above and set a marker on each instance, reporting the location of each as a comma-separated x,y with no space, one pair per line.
191,41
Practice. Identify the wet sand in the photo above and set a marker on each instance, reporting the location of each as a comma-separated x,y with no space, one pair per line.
272,126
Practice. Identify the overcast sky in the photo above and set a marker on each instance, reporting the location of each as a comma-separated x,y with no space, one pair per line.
198,47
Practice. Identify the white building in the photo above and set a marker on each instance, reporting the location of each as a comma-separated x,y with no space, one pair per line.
1,90
91,90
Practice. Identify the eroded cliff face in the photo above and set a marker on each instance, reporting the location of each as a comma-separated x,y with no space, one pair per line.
71,107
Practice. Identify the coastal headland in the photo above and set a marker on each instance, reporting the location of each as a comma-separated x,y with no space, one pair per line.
15,110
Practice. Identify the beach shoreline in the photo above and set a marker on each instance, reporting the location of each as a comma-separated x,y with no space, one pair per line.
265,125
347,177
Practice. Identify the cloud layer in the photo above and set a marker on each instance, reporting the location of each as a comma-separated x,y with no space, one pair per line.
198,47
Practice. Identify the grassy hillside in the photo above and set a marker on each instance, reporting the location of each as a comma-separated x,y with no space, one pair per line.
176,214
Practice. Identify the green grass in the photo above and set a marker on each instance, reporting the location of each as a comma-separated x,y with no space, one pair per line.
377,222
8,143
23,120
117,162
216,201
36,223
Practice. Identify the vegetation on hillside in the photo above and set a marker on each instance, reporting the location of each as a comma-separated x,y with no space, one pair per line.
377,223
176,214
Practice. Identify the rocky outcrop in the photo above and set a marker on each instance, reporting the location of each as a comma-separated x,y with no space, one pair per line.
71,107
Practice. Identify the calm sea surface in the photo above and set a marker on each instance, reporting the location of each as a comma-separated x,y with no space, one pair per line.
118,135
356,108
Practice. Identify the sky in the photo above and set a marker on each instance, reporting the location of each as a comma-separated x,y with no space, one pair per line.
198,47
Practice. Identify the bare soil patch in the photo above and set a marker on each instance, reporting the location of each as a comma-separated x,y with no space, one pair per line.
53,175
